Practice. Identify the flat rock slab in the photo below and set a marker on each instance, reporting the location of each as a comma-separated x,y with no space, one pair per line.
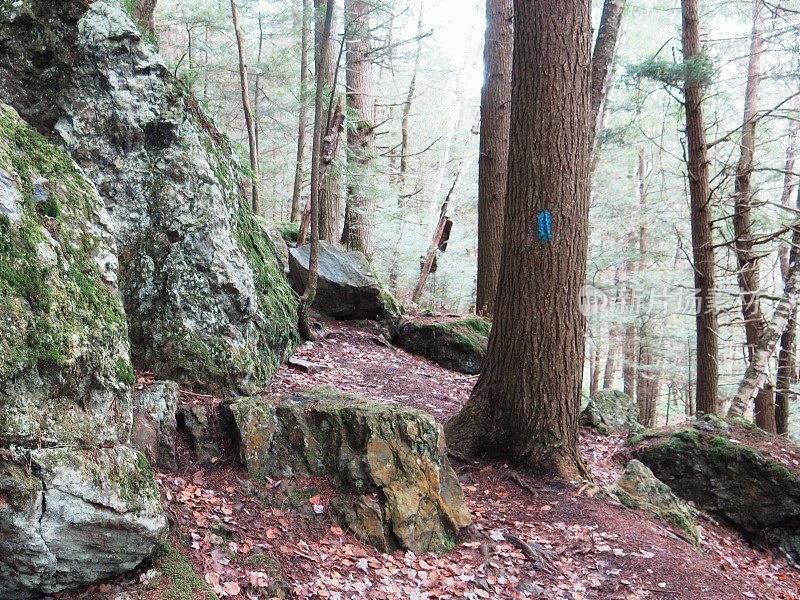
364,448
457,344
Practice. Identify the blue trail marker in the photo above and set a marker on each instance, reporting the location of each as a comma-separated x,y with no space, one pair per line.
545,226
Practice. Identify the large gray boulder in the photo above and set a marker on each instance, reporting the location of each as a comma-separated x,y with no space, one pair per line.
363,447
611,411
71,511
204,297
747,478
347,287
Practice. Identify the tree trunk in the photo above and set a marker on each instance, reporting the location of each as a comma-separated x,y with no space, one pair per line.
302,122
603,58
248,112
493,160
525,404
405,125
359,222
594,372
330,193
611,360
703,251
748,274
320,122
144,16
787,368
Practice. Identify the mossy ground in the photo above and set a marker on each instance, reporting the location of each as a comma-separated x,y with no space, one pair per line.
183,582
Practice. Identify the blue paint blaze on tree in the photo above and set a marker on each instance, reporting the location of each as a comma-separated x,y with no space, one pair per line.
545,226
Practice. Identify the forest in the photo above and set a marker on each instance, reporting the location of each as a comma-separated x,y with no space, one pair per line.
399,299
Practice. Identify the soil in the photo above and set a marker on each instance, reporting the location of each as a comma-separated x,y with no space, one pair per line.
242,536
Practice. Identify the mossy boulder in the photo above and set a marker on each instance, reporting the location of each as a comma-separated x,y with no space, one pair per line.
72,518
743,476
205,299
611,411
364,448
347,286
456,344
65,374
639,489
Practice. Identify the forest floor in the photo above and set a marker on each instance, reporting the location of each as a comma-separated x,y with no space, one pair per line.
239,543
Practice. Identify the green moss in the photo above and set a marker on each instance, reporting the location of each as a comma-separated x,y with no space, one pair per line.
289,231
719,441
650,434
51,305
184,583
125,372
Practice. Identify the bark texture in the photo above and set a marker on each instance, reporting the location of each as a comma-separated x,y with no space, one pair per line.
248,111
493,160
330,205
603,58
702,248
525,404
302,121
359,219
144,15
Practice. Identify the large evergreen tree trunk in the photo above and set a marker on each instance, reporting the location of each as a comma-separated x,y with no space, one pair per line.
525,404
330,206
748,275
702,247
493,160
248,111
302,121
359,221
144,14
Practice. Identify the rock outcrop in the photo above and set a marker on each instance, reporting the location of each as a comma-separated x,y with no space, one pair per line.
70,512
347,287
639,489
457,344
363,447
155,428
743,476
611,411
204,298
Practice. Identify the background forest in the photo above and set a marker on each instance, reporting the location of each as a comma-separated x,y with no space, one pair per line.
425,80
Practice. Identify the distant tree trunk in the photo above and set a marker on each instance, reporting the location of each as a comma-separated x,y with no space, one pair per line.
248,112
493,160
525,404
144,15
748,274
405,125
611,360
594,372
320,122
359,221
630,352
302,122
787,368
603,58
703,250
330,195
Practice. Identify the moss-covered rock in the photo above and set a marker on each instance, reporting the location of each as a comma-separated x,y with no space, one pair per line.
64,359
458,344
739,474
612,411
72,518
363,447
639,489
205,300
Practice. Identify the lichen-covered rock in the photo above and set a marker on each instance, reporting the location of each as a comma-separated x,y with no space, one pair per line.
612,411
155,429
65,374
363,447
347,287
740,474
72,518
204,297
639,489
194,421
458,344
